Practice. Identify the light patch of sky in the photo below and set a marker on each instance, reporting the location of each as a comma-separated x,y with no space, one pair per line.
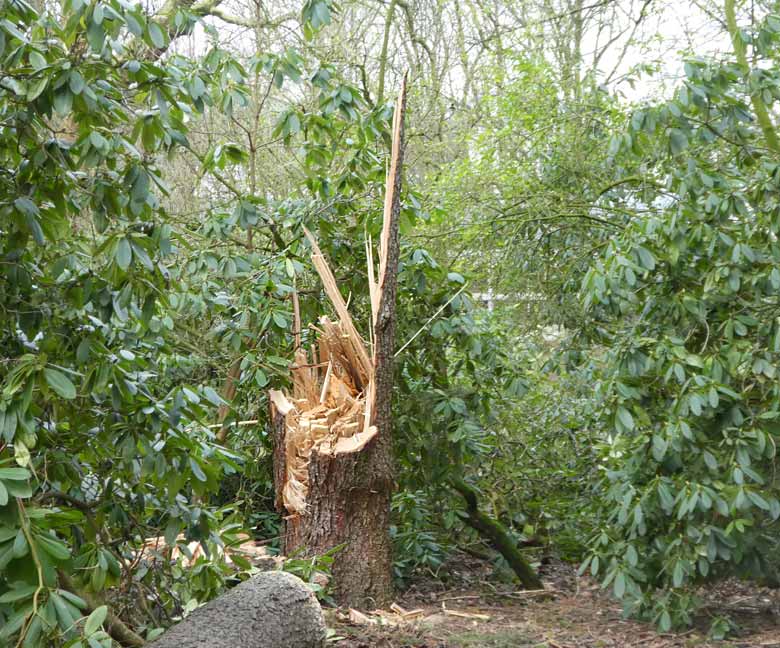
670,33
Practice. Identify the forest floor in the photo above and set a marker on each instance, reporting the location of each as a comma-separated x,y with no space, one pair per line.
476,610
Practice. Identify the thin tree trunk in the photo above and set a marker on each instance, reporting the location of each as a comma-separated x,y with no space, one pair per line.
740,51
380,93
495,533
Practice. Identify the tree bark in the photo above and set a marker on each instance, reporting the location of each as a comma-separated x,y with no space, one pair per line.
348,501
495,533
272,610
380,93
349,507
740,51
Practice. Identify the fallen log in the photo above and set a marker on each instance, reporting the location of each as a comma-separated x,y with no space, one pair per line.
271,610
495,533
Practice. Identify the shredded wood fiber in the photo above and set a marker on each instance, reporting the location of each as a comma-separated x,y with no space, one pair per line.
330,409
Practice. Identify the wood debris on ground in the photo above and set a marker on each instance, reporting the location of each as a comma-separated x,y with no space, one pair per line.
577,614
395,616
464,615
406,614
157,548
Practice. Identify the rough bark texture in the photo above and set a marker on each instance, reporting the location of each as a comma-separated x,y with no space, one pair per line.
495,533
349,506
272,610
348,502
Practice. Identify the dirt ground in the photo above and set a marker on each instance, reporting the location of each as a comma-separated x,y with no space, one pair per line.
475,610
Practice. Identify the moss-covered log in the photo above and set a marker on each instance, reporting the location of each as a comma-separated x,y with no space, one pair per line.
495,533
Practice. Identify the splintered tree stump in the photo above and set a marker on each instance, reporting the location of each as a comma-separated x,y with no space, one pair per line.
349,505
271,610
333,459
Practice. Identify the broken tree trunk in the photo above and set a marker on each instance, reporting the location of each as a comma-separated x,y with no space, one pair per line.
333,447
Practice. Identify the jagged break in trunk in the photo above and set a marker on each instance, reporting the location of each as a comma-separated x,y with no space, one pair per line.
333,461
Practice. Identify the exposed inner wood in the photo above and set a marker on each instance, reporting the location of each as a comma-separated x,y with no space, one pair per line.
329,410
332,408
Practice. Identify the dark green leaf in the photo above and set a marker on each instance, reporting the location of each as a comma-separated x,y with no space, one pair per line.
123,254
95,620
677,141
60,383
14,474
157,35
53,547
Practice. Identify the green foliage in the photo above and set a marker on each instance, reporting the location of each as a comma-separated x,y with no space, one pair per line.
128,294
485,394
417,544
457,384
315,15
109,304
538,478
685,304
107,451
315,572
519,210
